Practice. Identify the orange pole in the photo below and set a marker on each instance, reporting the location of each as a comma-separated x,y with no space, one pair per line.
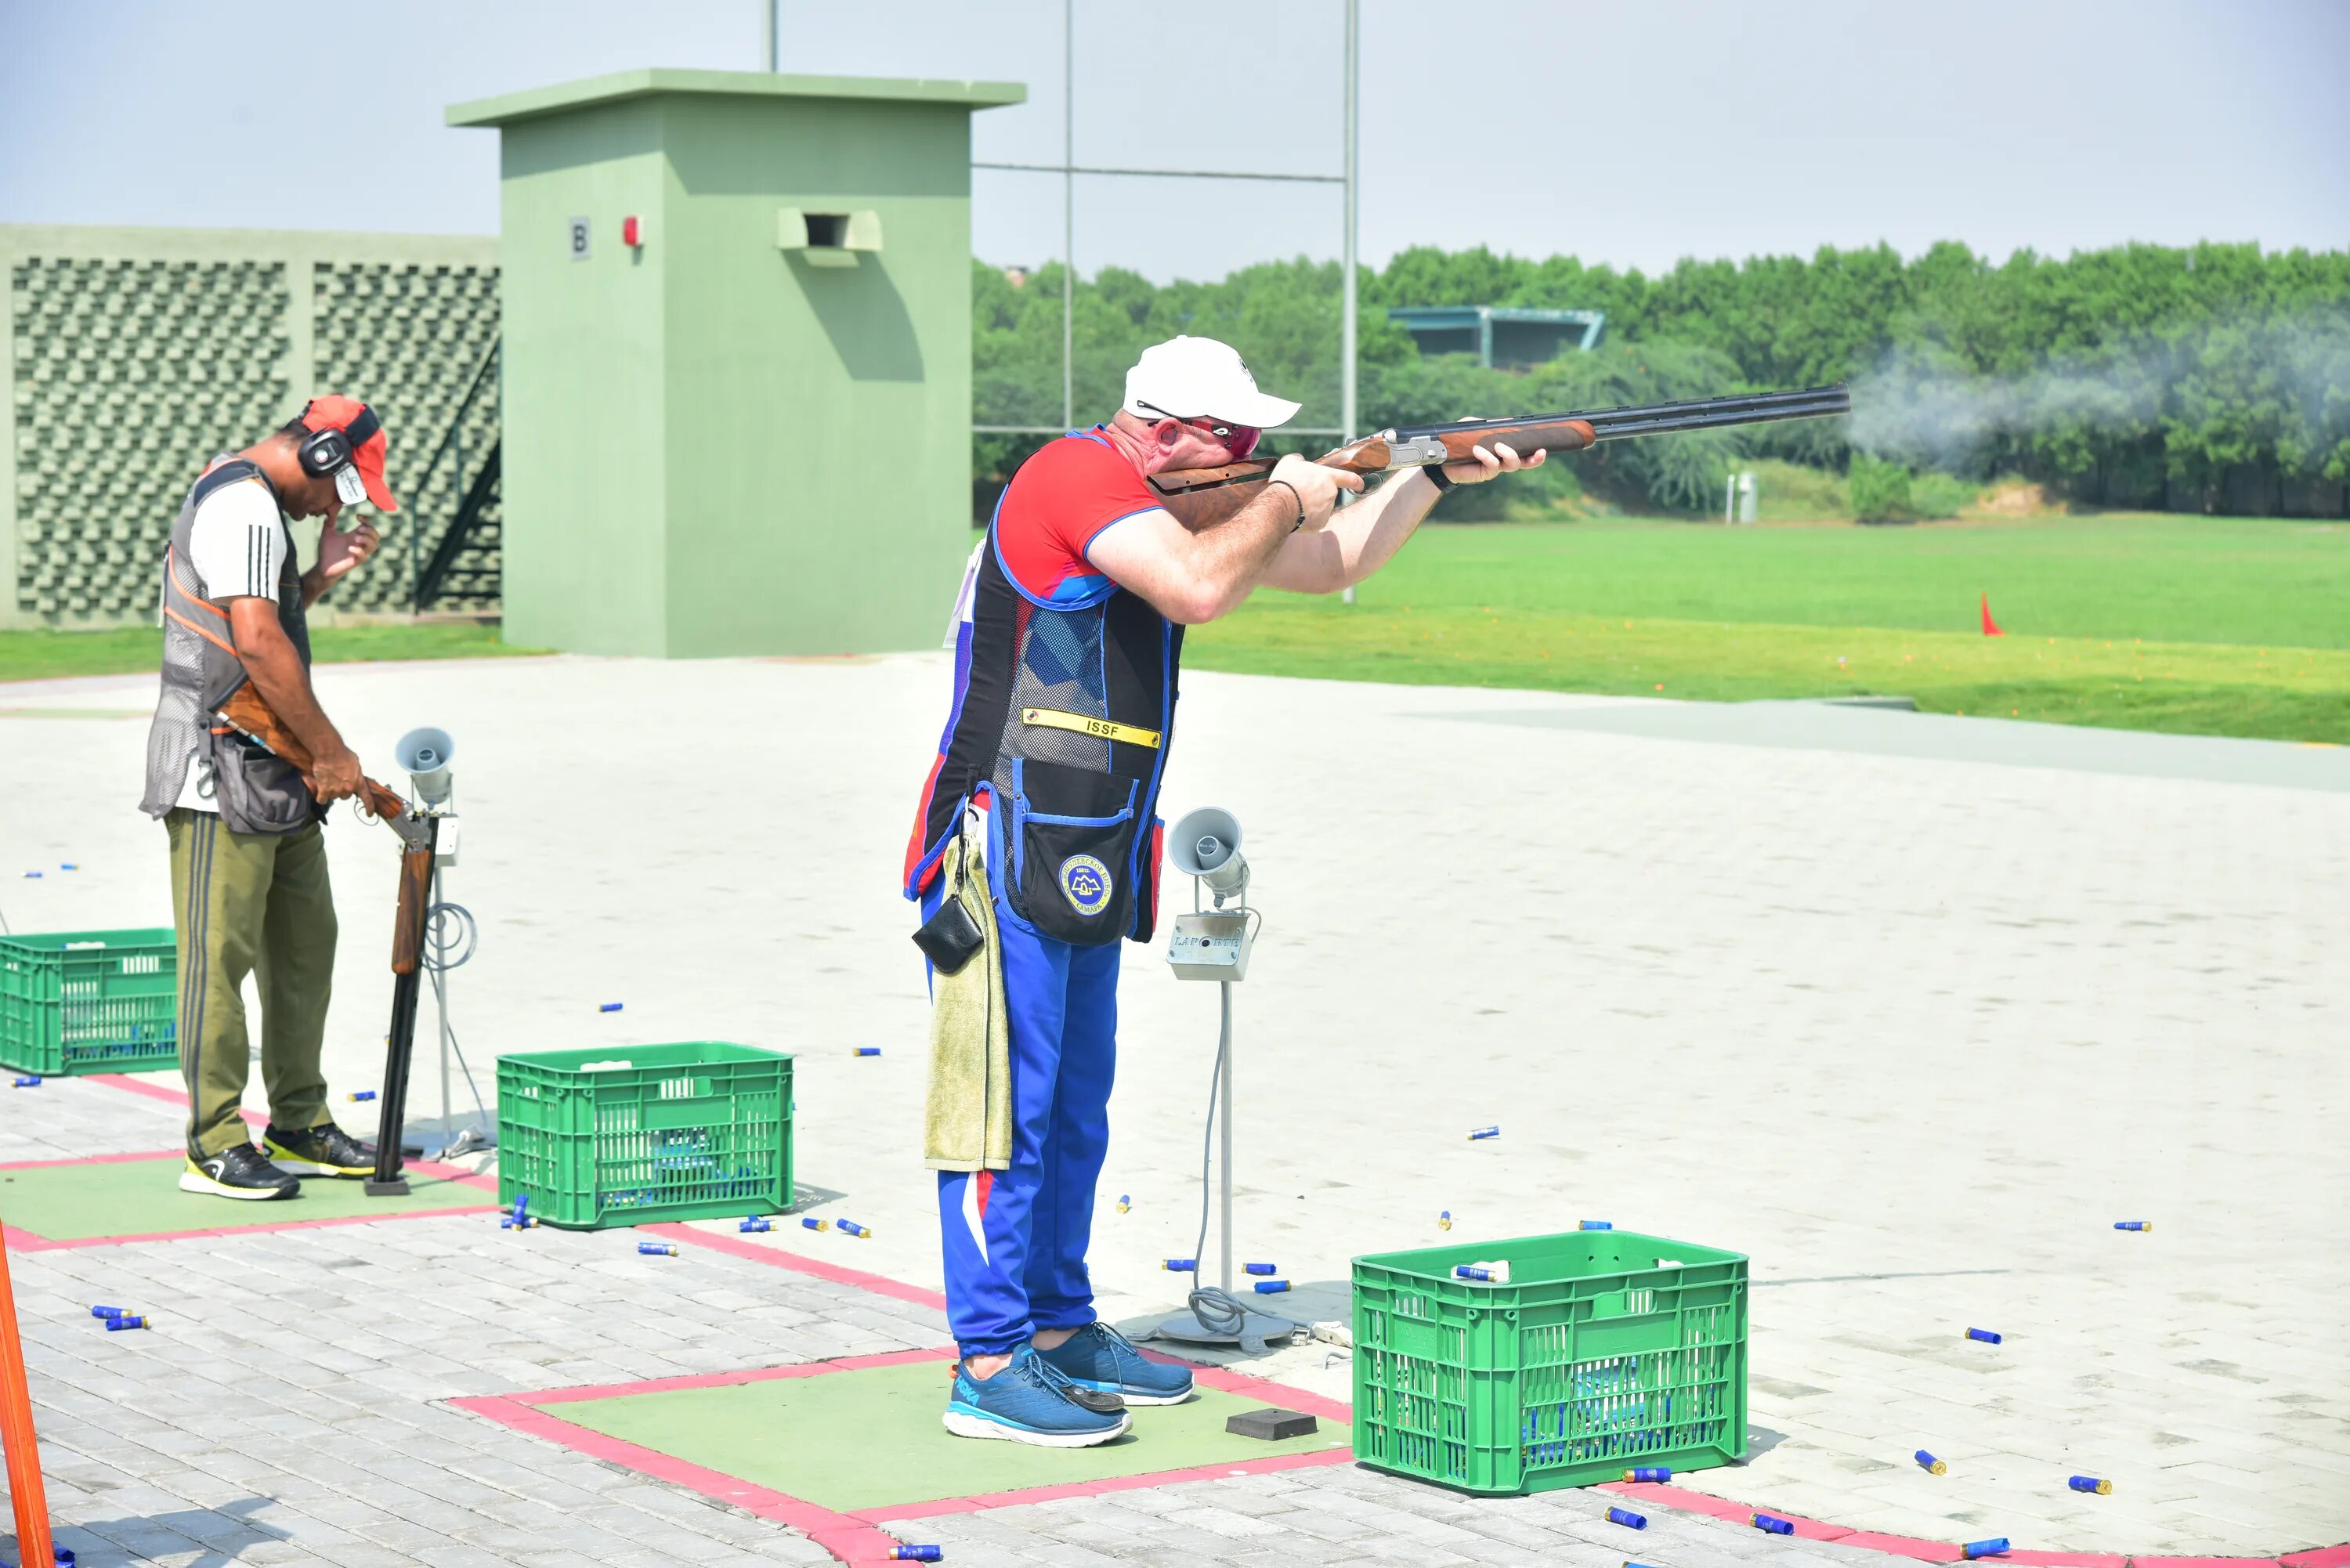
34,1549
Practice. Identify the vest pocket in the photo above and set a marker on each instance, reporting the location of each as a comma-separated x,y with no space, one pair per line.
258,792
1071,831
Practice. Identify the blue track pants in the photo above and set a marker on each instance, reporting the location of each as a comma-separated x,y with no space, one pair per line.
1015,1239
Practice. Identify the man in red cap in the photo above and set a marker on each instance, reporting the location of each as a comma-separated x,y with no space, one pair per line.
248,863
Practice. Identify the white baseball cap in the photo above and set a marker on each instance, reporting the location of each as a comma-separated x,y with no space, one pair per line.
1201,378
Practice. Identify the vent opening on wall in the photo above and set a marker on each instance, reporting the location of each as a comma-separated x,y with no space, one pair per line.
798,229
827,230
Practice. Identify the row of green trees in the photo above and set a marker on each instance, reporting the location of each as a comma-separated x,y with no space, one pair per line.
2213,378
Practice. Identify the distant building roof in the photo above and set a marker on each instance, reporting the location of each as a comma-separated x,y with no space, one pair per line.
1499,334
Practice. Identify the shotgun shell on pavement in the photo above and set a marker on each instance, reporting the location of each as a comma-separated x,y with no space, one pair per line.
1124,1203
852,1228
2089,1483
1929,1464
1625,1516
110,1312
609,1007
914,1554
28,1083
1648,1473
2133,1224
657,1248
810,1223
1182,1265
1260,1269
1986,1335
868,1050
1995,1546
1594,1225
1476,1132
1766,1522
1271,1287
754,1225
355,1096
1444,1220
125,1321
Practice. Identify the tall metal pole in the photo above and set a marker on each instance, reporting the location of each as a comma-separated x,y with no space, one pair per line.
1069,214
770,37
1224,1052
1346,303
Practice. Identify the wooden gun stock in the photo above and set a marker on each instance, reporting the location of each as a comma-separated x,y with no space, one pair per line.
408,924
249,716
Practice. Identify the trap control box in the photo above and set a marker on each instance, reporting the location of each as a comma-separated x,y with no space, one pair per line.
1211,945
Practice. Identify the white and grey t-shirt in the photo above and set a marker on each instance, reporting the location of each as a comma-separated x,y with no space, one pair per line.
236,546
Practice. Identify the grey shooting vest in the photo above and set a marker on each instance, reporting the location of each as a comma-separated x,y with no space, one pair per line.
253,791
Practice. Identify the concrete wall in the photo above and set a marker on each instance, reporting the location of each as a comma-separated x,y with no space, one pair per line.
132,356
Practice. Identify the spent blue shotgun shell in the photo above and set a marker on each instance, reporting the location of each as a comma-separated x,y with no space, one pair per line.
62,1556
852,1227
126,1321
1595,1224
1124,1203
657,1248
1777,1526
811,1222
1986,1335
1476,1132
355,1096
1444,1220
1470,1272
1648,1473
914,1554
1929,1464
110,1312
1261,1268
33,1082
1625,1516
753,1224
1271,1287
1994,1547
68,866
608,1007
33,876
868,1050
2133,1224
2089,1483
1183,1265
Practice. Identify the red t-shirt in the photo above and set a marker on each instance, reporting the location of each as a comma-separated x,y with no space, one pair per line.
1059,503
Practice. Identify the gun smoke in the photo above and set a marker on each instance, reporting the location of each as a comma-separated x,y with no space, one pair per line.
2274,387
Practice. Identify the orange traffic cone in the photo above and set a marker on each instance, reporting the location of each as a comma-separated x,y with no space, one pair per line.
24,1456
1990,626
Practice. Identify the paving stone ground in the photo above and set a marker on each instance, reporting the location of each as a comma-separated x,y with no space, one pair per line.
1910,1030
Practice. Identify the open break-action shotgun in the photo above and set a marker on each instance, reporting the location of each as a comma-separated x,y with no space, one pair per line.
1202,495
420,836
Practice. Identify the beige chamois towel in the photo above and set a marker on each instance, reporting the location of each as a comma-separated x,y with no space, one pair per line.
967,1113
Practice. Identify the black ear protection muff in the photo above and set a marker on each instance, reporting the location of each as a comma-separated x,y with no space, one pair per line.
323,452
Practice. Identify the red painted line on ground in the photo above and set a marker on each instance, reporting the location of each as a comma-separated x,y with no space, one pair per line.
2060,1558
781,1258
2324,1557
1226,1380
849,1539
2138,1561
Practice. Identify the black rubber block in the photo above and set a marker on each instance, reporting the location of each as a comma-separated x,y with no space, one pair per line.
1272,1425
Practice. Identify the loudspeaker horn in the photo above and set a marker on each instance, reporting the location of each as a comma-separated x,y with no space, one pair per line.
1206,844
424,754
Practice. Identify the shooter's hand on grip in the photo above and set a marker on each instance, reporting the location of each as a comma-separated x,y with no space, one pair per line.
335,776
1318,487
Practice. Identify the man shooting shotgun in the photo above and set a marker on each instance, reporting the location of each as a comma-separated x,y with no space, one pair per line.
1040,808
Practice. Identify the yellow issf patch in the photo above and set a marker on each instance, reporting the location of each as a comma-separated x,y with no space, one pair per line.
1108,730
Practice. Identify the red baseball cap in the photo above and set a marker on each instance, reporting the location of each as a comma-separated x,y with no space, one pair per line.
368,443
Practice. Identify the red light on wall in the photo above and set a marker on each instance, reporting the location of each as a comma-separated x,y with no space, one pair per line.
632,234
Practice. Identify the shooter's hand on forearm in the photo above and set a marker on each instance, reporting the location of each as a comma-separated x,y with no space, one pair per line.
1485,463
278,674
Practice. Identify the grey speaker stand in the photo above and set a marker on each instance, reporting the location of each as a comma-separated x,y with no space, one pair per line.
1256,1327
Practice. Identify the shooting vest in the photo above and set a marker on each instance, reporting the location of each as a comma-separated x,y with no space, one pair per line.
253,791
1063,712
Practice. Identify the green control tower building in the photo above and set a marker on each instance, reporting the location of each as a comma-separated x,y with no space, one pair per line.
736,310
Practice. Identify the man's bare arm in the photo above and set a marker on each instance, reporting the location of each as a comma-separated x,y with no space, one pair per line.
1365,536
1193,577
278,674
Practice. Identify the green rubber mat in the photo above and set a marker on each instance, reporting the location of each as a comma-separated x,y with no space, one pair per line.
871,1437
99,1200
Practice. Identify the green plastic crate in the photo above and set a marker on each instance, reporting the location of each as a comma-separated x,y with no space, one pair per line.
625,1135
89,1001
1592,1359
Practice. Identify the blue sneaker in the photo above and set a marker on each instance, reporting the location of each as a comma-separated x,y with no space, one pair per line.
1028,1402
1099,1357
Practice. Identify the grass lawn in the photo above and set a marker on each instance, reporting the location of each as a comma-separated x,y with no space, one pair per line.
2196,626
39,655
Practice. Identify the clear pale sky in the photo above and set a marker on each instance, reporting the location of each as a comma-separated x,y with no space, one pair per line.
1633,134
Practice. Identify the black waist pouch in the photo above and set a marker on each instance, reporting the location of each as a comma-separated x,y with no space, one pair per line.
1071,835
950,939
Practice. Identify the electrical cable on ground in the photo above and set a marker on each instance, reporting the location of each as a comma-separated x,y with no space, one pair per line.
1218,1310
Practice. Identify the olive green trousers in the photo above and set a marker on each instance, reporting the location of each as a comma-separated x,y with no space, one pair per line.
250,904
